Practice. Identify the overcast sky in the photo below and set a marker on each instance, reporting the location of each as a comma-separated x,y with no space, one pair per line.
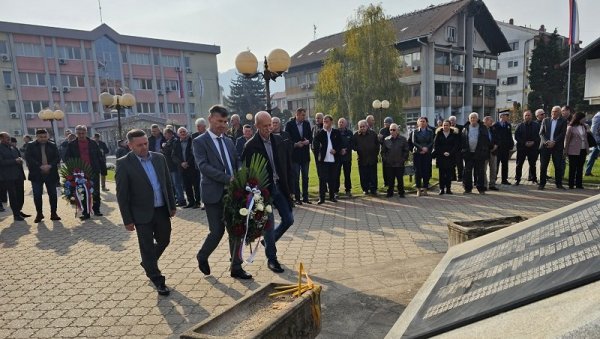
263,25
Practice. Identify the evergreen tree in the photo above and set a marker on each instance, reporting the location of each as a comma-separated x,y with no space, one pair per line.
247,95
546,77
367,68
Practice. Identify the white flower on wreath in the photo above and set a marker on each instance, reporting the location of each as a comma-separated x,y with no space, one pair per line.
269,209
260,207
243,212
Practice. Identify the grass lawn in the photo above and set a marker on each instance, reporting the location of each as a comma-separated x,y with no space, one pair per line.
313,180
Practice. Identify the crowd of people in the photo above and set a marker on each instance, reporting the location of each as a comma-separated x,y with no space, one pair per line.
192,170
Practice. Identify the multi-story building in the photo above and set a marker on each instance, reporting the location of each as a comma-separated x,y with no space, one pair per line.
67,69
449,53
513,65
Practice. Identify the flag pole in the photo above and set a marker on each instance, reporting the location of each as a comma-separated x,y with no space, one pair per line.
569,76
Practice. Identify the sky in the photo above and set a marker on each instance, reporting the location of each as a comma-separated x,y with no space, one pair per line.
263,25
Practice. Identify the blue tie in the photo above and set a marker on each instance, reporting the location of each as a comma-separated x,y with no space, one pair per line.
223,158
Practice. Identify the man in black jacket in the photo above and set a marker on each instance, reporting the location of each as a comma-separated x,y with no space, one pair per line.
156,140
183,156
345,162
104,149
87,150
273,149
176,179
12,175
301,138
43,160
528,143
328,145
505,144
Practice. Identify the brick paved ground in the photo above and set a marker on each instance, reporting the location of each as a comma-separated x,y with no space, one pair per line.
73,279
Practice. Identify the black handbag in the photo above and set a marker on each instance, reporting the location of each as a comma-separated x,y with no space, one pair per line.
591,140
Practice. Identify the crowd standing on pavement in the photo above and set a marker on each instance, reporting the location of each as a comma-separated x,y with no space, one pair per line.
173,168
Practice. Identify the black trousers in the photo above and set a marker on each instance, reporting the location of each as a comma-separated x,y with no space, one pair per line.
153,238
502,158
576,163
531,155
458,167
474,167
346,166
16,195
445,174
38,188
395,175
329,179
368,178
191,184
95,195
557,160
216,229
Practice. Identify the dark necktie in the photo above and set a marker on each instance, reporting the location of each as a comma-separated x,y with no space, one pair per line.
223,158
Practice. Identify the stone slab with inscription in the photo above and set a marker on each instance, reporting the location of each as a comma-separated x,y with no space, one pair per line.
552,254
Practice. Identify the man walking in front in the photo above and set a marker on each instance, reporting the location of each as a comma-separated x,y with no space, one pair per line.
552,144
88,151
43,160
146,201
215,156
274,150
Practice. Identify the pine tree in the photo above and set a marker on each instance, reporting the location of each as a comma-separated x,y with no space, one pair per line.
247,95
546,77
367,68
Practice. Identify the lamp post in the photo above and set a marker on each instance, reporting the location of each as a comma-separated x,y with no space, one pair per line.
381,105
49,115
117,102
276,63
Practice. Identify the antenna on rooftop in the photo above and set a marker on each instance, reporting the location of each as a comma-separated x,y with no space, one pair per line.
100,10
314,32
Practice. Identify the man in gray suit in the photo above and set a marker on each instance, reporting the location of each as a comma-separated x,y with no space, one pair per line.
552,135
146,201
216,158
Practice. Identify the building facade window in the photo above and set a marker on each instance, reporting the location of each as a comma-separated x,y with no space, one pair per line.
49,51
186,61
512,80
88,53
34,106
145,107
139,58
170,61
490,92
12,106
456,90
441,58
189,86
514,45
27,49
72,80
142,84
411,59
512,64
414,90
451,34
32,79
76,107
68,52
174,108
172,85
192,107
7,76
3,47
441,88
477,90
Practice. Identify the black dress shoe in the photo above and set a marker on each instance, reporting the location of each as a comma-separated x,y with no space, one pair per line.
442,192
298,202
449,192
494,188
19,218
189,206
306,201
389,194
505,182
38,218
241,274
180,204
98,213
275,266
204,266
517,182
321,202
561,187
534,181
55,217
162,289
333,199
84,216
540,188
24,215
580,187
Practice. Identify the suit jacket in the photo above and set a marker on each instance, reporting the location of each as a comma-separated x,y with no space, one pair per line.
208,159
134,191
177,155
152,143
321,143
283,164
484,145
504,135
559,133
9,168
97,161
167,151
527,132
299,154
34,160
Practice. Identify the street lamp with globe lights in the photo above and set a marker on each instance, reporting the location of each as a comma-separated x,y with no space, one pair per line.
117,102
381,105
276,63
49,115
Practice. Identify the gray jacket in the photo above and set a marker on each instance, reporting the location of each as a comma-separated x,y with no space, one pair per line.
208,159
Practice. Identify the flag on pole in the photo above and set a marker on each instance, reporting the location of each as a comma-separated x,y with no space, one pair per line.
573,23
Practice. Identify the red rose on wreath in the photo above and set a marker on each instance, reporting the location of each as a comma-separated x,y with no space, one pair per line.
73,184
237,195
253,182
265,193
70,178
76,170
258,215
